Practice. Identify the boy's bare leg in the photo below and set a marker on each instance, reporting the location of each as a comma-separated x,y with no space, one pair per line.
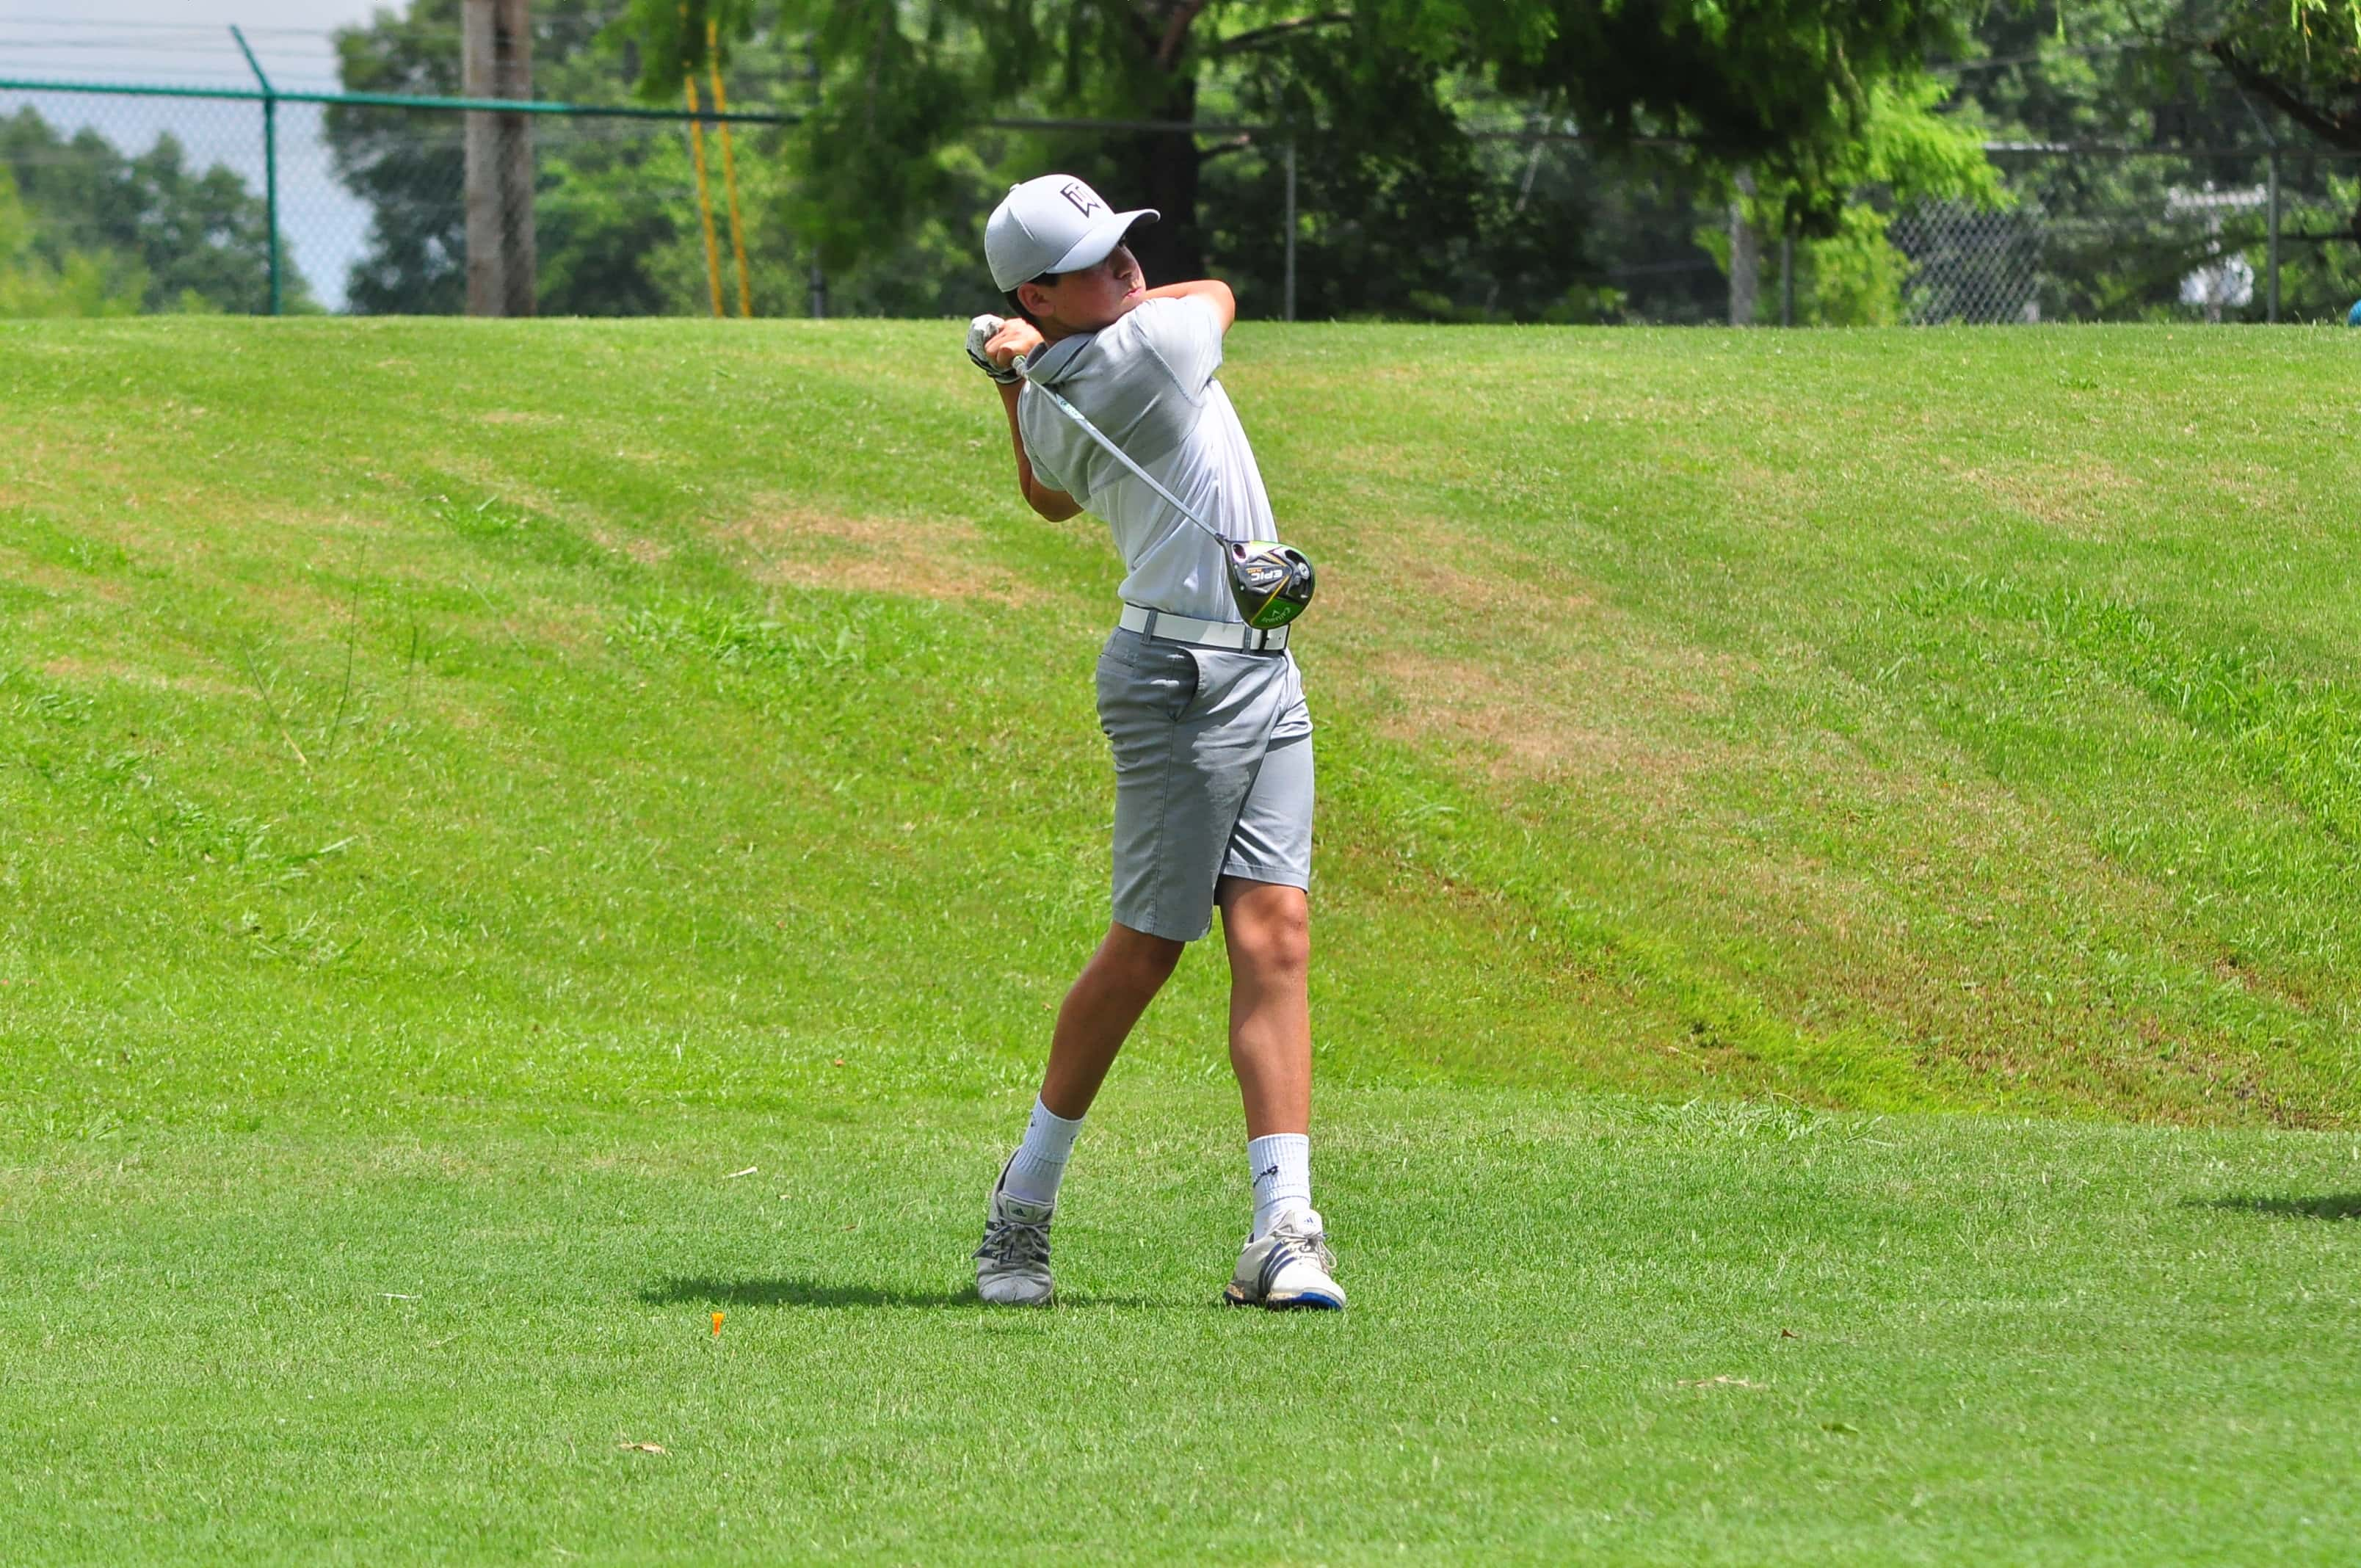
1113,988
1012,1267
1268,928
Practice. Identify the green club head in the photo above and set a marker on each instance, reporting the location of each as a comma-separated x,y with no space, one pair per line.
1272,582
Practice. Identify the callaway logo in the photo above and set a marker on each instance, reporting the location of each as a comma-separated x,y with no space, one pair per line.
1266,1175
1080,195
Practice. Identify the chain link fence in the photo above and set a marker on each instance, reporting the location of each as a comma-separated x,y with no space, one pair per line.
150,200
360,204
2111,233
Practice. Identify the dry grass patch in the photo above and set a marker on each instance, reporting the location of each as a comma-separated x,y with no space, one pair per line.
84,671
505,488
1496,712
2088,501
640,551
923,558
60,582
1527,667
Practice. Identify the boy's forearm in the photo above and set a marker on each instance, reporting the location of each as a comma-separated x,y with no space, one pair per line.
1008,394
1212,290
1055,505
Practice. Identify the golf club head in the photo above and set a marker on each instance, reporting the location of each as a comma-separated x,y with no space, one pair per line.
1272,582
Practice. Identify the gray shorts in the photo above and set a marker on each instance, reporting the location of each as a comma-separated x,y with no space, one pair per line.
1213,776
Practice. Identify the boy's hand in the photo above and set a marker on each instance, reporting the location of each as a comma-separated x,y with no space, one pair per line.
979,333
1015,340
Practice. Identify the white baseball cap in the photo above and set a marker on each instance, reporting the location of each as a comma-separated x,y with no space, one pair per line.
1054,223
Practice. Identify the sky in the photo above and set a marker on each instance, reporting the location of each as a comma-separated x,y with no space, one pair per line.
186,43
176,42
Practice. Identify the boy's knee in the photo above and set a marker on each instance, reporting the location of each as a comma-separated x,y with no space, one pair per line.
1272,937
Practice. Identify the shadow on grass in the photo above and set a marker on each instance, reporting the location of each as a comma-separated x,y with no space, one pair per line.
783,1293
2336,1206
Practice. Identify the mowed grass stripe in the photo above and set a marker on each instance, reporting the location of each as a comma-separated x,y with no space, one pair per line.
1718,1334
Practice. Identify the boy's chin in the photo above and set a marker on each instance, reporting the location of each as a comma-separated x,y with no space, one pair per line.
1086,323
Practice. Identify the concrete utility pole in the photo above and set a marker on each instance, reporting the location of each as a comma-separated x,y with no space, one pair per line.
1745,255
496,62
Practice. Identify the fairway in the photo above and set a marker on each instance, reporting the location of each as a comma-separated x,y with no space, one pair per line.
1834,988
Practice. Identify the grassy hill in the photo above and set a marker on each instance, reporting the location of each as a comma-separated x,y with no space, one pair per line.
472,787
1890,722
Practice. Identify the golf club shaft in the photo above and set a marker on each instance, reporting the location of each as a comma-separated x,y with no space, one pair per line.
1120,455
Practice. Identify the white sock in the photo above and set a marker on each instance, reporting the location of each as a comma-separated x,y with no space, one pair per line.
1041,1159
1281,1164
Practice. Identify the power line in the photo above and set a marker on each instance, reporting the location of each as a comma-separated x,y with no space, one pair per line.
209,28
222,75
134,24
136,46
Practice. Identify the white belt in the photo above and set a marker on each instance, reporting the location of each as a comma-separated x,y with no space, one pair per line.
1204,634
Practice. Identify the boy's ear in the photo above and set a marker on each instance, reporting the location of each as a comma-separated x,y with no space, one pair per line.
1035,299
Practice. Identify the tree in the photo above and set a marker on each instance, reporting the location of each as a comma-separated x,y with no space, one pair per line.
615,204
152,227
2302,57
410,165
39,279
2141,74
1785,85
1849,272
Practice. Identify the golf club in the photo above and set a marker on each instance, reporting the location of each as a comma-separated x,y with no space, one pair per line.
1272,582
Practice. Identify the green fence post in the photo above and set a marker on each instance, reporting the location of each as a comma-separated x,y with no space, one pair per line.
269,158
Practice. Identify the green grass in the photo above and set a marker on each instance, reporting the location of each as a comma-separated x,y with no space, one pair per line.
471,788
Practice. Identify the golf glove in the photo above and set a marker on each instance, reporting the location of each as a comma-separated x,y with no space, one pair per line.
981,330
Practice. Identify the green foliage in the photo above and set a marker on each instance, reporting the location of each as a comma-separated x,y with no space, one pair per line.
2314,26
1785,84
1909,150
1788,88
670,38
2325,275
876,160
606,205
618,227
73,284
96,231
2300,57
1405,214
1852,277
2165,74
410,168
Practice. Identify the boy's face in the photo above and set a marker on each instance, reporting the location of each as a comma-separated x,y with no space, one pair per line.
1088,301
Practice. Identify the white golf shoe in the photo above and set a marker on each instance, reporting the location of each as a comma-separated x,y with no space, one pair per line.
1288,1267
1012,1267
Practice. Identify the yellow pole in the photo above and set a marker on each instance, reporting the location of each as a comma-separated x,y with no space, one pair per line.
729,169
703,200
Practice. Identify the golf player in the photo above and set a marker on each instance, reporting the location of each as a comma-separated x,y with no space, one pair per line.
1204,714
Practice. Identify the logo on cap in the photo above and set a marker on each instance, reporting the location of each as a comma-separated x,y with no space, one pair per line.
1081,196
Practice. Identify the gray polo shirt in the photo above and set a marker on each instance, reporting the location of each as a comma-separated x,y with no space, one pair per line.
1147,381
